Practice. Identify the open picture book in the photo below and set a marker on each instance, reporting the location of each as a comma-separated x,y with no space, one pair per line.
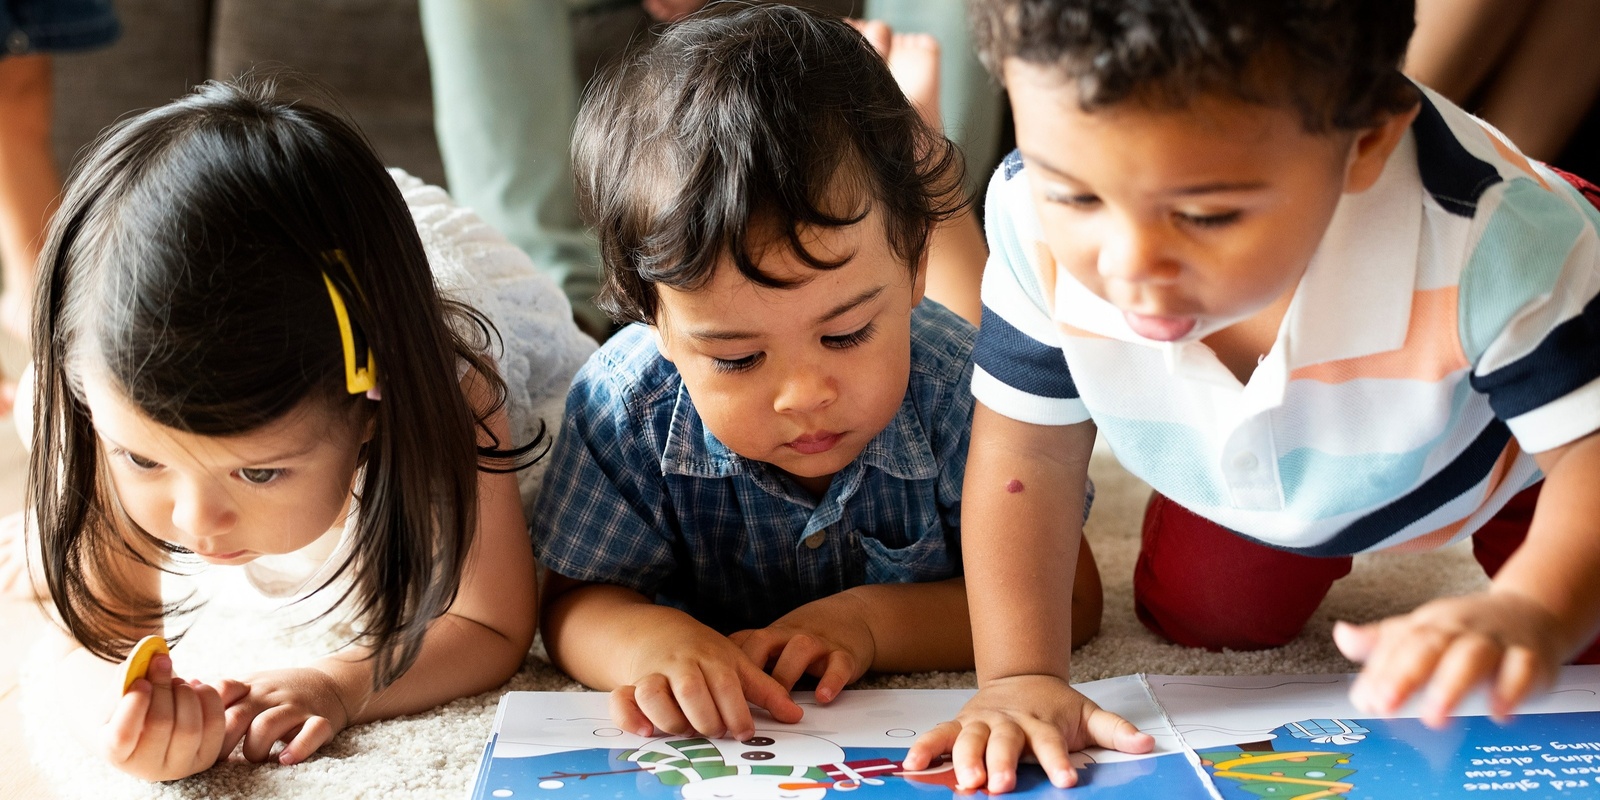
1241,737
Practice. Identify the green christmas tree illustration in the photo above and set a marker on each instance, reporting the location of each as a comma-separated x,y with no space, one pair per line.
1299,775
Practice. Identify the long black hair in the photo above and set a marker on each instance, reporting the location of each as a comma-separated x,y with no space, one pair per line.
188,263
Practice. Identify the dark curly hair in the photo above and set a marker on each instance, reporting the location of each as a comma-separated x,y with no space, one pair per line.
1337,62
745,120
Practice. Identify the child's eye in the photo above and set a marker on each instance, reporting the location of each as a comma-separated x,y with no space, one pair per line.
736,364
260,476
1078,201
139,462
1210,220
846,341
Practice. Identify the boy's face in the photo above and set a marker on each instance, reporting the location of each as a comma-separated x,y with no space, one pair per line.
801,378
1205,214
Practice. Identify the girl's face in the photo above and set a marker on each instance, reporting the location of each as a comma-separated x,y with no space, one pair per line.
229,499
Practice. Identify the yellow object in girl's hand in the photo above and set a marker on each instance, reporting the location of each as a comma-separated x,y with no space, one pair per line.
138,662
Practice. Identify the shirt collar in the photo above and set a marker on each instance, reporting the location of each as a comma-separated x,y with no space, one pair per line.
901,449
1355,298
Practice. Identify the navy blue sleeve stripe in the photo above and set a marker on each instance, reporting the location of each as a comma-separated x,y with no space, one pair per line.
1458,477
1021,361
1012,163
1455,177
1567,360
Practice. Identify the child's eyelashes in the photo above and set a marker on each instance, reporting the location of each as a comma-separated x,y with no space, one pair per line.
260,476
736,364
137,461
1070,200
856,338
1210,220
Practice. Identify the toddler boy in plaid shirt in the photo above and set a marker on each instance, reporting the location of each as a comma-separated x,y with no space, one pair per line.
765,473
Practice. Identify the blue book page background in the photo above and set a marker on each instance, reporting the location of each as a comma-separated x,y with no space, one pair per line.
562,746
1297,736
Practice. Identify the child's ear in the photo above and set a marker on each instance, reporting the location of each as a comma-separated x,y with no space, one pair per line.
1372,147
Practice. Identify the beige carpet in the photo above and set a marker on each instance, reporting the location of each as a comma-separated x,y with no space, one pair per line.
435,754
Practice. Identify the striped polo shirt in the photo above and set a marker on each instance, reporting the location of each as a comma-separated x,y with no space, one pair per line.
1445,329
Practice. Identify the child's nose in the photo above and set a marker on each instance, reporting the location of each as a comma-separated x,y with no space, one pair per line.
806,389
1136,253
202,512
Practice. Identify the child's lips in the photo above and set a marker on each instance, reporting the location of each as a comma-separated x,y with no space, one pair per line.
813,443
1159,328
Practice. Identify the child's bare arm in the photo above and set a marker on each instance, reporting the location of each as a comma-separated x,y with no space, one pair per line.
664,669
888,627
1022,504
1541,609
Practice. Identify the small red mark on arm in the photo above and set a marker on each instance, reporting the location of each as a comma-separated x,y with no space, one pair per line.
1014,486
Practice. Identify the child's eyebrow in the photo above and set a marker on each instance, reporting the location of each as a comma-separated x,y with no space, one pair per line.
843,308
1182,191
714,335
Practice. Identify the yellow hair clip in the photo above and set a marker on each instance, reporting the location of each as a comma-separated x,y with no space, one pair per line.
357,379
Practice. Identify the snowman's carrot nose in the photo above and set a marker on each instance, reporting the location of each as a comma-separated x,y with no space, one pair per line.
801,786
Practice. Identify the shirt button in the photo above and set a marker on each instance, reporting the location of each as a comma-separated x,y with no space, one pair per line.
1245,461
17,42
815,540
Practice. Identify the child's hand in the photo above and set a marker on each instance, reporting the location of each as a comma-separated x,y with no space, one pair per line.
692,679
1451,645
165,728
1040,712
299,707
826,638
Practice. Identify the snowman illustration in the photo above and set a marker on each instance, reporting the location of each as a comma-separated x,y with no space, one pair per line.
771,765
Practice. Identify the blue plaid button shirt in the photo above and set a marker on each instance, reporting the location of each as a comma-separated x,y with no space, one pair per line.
639,494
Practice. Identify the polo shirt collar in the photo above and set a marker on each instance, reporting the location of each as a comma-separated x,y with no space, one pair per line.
901,449
1355,298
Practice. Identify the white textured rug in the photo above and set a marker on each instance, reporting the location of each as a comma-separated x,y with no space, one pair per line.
435,754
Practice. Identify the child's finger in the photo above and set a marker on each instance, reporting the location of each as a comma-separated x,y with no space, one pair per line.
761,646
1520,673
1404,664
1467,662
1004,749
214,724
658,702
625,712
799,653
1050,748
936,742
1355,641
231,691
126,726
766,693
188,726
837,671
159,716
314,733
967,753
269,727
1115,733
726,686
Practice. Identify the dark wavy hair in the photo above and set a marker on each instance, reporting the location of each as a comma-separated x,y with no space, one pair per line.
744,121
187,262
1337,62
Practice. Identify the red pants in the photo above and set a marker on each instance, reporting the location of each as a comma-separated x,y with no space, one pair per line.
1200,585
